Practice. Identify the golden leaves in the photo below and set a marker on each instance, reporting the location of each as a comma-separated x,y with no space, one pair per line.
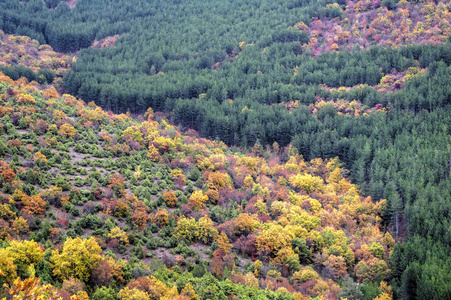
77,259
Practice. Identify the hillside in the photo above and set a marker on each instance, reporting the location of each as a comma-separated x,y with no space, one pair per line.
151,201
362,24
363,86
21,56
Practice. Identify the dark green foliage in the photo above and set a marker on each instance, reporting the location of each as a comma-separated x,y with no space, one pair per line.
199,270
43,269
424,268
351,290
194,174
300,248
369,289
91,221
18,71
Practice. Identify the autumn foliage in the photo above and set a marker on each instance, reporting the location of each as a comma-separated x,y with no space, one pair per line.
114,197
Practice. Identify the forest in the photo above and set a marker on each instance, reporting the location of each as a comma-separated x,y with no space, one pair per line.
103,206
293,79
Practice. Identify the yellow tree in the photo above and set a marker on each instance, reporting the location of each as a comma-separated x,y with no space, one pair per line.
386,292
286,258
250,280
206,231
20,226
133,294
77,259
119,235
189,291
134,132
161,218
274,238
218,180
26,255
307,183
153,153
305,274
177,174
246,223
66,130
149,114
388,241
213,195
223,243
186,229
170,198
7,267
197,200
40,159
58,114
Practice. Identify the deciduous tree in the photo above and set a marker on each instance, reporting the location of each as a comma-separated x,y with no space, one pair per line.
77,259
170,198
197,200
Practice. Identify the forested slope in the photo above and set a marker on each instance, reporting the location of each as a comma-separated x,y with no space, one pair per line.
331,79
100,205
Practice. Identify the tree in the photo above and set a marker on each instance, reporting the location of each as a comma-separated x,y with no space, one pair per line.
274,238
206,231
139,218
388,241
307,183
31,290
77,259
337,264
170,198
26,255
395,209
153,153
217,180
305,274
217,266
301,249
6,172
377,250
246,223
351,290
197,200
34,205
72,286
40,159
162,218
154,288
105,293
288,260
133,294
102,274
119,235
186,229
52,195
66,130
20,226
116,181
188,291
223,243
7,267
